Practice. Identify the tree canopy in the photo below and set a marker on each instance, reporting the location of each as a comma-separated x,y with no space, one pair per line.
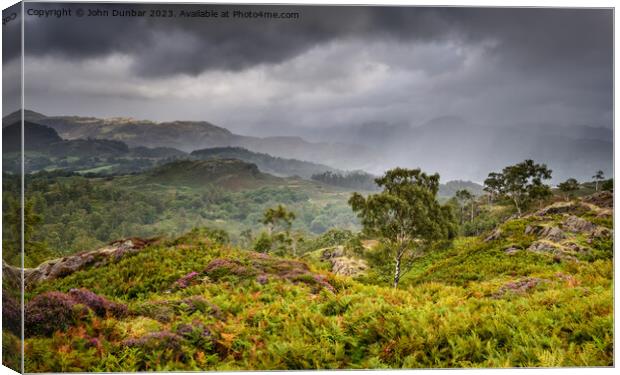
522,183
405,215
568,187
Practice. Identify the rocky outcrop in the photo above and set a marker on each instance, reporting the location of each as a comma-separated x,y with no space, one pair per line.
62,267
519,287
11,276
348,266
495,235
512,250
577,225
562,229
603,199
343,264
263,268
562,208
556,250
551,233
333,252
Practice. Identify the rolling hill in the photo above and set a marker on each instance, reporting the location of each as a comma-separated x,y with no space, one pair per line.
43,139
265,162
227,173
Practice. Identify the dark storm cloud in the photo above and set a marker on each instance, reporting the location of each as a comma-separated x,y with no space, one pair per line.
503,72
193,45
11,30
528,38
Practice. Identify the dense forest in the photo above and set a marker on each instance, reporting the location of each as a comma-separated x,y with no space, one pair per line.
76,213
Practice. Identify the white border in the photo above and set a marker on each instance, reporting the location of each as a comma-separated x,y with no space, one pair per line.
471,3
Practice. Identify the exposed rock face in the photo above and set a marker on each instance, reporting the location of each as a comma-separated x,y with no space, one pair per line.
334,252
550,233
553,234
601,232
348,266
61,267
603,199
511,250
577,225
563,237
542,246
495,235
562,208
342,264
519,287
11,276
558,251
263,267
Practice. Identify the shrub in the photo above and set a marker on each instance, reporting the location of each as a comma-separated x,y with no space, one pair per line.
163,340
52,311
197,303
11,314
263,243
221,267
186,280
49,312
197,334
100,305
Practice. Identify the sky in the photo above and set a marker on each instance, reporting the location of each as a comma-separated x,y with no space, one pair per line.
332,67
333,73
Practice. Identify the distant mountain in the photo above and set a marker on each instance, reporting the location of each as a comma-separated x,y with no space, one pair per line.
229,173
453,147
16,116
157,152
195,135
43,139
265,162
46,149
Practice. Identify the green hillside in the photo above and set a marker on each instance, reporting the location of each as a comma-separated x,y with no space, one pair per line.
226,173
535,292
266,163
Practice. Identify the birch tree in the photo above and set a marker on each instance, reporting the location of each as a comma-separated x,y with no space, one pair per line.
405,215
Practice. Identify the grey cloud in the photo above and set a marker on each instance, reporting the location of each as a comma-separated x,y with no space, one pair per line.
190,46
